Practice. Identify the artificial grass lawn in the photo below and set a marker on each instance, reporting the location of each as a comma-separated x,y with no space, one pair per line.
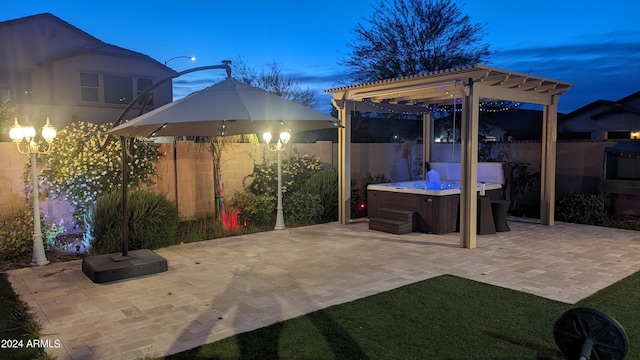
442,318
17,326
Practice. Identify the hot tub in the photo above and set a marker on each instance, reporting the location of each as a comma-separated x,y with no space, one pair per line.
420,187
436,210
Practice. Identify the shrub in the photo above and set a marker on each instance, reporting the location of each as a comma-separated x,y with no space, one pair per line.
190,231
295,172
522,182
85,164
202,228
257,210
7,115
369,179
153,221
325,185
303,208
257,206
581,209
16,234
356,211
50,232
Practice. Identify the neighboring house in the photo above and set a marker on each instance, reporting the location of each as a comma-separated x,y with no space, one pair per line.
49,68
604,120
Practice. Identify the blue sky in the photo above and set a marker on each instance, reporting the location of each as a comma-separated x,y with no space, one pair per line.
593,44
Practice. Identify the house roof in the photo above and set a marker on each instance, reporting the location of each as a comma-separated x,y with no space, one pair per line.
103,48
95,45
440,87
48,16
608,107
616,109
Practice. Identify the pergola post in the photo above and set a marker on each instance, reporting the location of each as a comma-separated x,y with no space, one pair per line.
344,161
469,167
548,168
427,140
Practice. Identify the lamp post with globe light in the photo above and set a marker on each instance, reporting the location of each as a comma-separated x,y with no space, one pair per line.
278,148
25,139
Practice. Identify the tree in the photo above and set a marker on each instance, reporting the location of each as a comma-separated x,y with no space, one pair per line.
218,145
407,37
274,81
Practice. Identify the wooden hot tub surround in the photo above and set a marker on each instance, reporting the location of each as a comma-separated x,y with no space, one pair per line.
403,207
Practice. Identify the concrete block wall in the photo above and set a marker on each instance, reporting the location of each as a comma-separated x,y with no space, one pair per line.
12,166
12,188
195,195
579,169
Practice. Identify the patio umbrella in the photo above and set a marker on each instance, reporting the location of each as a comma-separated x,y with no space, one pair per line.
226,108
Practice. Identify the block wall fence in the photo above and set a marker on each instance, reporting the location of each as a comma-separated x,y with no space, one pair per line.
579,169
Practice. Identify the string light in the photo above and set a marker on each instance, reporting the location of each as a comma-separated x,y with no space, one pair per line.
378,106
625,154
486,106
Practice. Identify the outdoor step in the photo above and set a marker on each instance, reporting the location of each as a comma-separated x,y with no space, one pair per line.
395,214
391,226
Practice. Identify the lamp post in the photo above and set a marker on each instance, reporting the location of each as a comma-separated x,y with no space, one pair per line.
24,137
278,148
192,58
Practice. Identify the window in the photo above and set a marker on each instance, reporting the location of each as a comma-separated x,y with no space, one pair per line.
117,89
618,134
574,135
142,85
89,85
112,89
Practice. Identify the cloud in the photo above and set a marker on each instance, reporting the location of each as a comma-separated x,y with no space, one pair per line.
601,66
604,68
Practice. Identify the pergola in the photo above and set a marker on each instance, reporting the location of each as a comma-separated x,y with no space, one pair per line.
472,84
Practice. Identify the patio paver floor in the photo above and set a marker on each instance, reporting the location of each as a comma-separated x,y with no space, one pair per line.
220,287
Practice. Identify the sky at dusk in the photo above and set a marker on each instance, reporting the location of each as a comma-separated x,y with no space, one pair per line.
593,44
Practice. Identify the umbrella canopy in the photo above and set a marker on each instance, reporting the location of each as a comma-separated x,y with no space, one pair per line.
226,108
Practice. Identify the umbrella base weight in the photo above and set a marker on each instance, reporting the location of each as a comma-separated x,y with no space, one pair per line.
584,333
114,267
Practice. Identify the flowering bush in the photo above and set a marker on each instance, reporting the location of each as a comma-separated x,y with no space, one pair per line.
295,172
85,164
258,205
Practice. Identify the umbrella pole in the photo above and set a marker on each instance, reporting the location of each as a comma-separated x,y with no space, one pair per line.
124,209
